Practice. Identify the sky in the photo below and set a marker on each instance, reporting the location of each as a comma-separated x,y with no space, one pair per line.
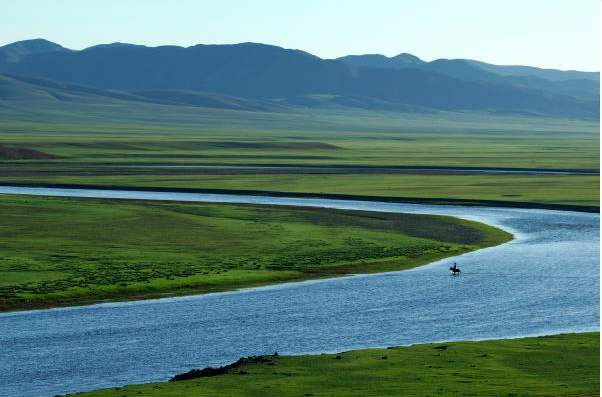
561,34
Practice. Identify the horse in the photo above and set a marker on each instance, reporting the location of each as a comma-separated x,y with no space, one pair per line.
455,271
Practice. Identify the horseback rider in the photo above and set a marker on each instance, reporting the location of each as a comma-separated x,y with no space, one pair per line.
455,270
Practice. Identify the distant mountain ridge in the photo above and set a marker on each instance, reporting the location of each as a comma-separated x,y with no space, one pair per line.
409,60
580,85
263,77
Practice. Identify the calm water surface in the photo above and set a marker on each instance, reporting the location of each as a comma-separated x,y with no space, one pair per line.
545,281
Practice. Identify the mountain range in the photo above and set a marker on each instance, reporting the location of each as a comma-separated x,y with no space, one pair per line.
253,76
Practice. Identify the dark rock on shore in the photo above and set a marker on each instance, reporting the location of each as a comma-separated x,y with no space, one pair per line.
210,371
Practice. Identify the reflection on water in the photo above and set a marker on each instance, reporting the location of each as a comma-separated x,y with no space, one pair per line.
545,281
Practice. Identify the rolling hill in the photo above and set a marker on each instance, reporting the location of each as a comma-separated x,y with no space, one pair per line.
28,91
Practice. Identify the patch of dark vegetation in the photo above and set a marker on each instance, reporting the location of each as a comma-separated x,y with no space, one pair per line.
433,227
96,271
8,153
210,371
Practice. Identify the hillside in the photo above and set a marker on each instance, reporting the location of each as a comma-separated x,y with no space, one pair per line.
270,77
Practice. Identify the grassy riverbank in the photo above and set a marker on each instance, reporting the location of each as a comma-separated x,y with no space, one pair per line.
63,251
550,205
544,191
561,365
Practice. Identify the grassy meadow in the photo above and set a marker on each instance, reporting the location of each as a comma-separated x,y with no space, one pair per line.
160,146
58,251
560,365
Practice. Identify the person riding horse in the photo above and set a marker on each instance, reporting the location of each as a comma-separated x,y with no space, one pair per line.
455,270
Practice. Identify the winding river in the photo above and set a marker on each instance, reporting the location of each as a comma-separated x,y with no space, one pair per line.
545,281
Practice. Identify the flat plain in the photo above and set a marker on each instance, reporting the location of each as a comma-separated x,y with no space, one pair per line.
308,151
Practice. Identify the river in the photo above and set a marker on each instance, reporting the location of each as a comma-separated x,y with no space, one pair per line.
545,281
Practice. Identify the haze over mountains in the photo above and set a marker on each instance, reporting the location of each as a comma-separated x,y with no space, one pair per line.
254,76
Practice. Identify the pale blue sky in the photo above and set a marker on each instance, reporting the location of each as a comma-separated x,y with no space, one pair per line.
548,33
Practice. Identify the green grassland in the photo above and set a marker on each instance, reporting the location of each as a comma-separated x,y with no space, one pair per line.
561,365
348,138
140,145
58,251
409,141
